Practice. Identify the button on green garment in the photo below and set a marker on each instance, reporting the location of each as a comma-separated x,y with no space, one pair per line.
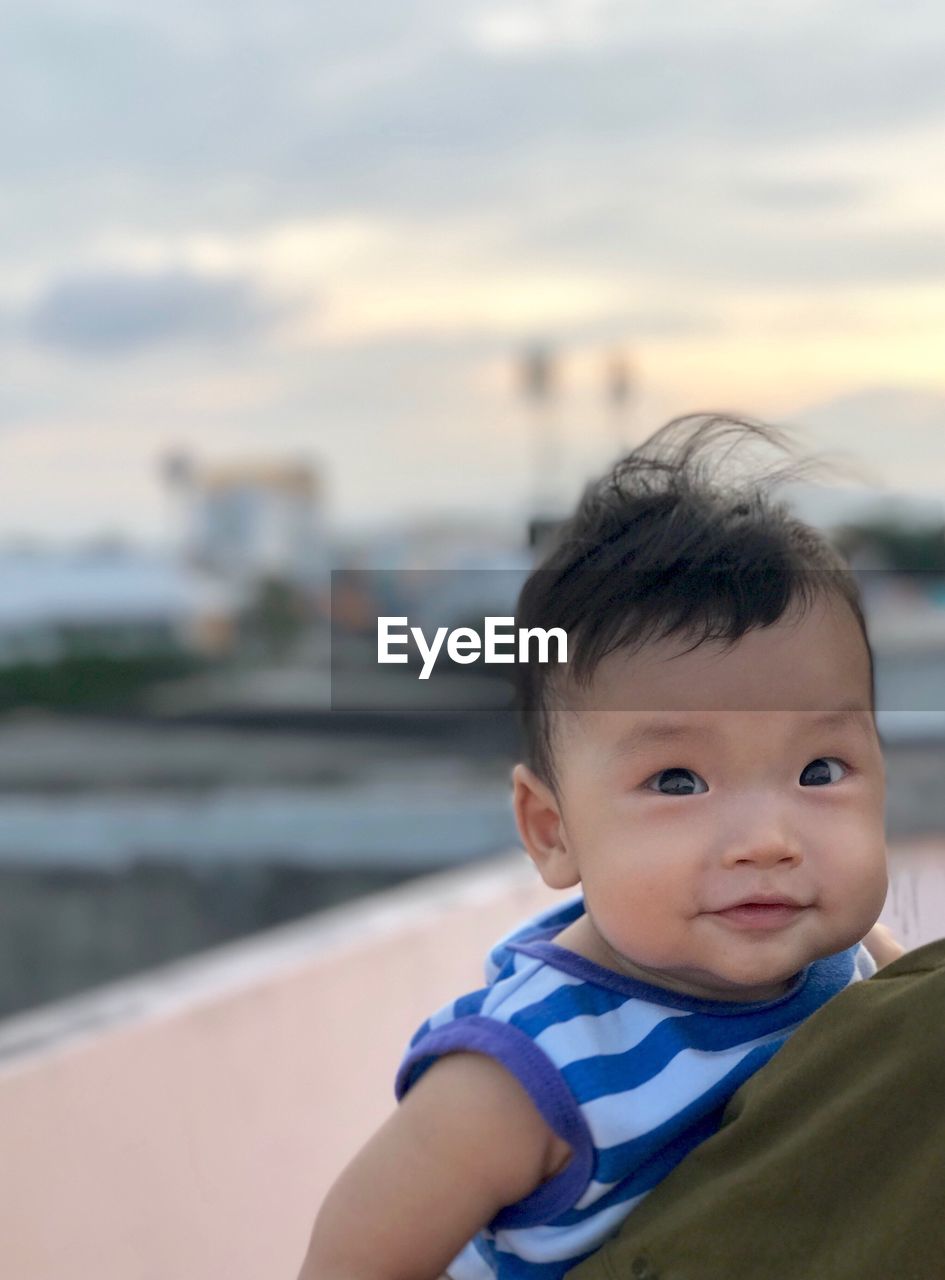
830,1164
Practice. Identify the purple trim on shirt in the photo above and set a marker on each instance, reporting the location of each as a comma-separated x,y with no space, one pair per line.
543,1083
570,962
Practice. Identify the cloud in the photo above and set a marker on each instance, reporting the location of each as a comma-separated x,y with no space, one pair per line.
862,425
745,198
801,194
525,29
306,99
115,312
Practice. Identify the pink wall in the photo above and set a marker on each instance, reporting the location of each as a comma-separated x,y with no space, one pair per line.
195,1139
192,1135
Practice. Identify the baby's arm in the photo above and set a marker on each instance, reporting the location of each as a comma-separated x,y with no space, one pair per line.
465,1141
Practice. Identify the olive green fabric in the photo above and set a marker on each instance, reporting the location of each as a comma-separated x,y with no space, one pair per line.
830,1164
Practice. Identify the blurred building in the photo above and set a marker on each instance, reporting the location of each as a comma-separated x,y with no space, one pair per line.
247,522
110,599
257,530
439,572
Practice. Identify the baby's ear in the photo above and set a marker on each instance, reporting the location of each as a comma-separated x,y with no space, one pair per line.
542,830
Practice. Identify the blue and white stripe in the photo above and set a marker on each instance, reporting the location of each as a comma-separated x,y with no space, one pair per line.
630,1075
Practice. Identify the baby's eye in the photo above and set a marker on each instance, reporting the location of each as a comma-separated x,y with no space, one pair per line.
676,782
819,772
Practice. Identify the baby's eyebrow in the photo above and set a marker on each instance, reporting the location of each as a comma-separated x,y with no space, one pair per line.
848,717
655,733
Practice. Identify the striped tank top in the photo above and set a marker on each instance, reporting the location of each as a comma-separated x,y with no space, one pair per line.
632,1076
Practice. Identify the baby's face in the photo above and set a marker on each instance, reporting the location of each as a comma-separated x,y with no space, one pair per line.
723,808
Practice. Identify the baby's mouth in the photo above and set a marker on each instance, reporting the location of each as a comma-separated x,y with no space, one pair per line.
762,912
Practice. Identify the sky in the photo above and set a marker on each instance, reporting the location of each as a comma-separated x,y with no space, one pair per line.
326,231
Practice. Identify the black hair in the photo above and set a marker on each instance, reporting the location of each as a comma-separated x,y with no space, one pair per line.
666,544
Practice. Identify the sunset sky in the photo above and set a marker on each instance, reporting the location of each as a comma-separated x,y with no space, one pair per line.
324,231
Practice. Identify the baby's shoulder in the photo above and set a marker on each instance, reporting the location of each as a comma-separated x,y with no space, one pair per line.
542,926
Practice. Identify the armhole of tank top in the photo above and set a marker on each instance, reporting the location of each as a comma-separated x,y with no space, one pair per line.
542,1081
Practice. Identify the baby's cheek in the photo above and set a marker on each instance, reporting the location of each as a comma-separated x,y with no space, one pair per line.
853,908
880,888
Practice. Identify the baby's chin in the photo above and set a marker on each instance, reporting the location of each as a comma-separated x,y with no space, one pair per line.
742,985
738,984
762,988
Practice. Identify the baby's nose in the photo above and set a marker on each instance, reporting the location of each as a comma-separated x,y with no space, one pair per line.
764,848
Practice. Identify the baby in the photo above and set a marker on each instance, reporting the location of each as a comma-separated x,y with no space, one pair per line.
707,769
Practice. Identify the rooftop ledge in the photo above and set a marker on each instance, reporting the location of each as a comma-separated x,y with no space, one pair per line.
186,1123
